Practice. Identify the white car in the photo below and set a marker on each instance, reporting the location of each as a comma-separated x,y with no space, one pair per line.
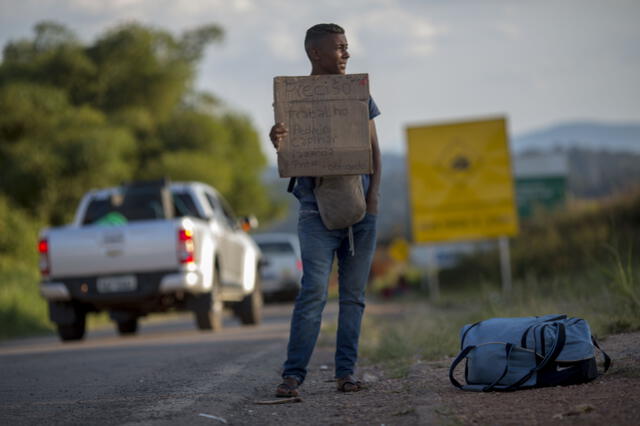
281,264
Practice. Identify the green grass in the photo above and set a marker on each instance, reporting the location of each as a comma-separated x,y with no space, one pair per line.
624,280
23,311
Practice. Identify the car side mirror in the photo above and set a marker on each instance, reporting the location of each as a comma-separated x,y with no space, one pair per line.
248,223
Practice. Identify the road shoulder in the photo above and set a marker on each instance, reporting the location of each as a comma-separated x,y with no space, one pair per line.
425,396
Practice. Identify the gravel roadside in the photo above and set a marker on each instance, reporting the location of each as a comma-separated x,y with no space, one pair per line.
425,396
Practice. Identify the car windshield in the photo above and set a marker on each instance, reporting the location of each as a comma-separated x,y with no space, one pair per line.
276,248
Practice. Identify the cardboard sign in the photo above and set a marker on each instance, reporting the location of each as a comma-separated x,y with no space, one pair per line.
328,121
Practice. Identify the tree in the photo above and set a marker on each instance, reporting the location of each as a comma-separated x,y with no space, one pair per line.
76,116
52,152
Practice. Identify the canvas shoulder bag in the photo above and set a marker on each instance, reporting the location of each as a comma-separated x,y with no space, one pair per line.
341,200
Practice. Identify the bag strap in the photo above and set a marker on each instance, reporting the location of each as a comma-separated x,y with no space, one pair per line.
352,244
292,182
550,357
607,358
478,388
462,355
465,333
508,348
523,339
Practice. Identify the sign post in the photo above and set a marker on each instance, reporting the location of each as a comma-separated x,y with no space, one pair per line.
461,183
505,264
433,278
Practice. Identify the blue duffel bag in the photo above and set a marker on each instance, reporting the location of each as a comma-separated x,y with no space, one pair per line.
505,354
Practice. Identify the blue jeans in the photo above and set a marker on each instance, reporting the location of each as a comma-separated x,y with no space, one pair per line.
318,245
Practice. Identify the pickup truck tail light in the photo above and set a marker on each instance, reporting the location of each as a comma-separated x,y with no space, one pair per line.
43,249
186,246
299,265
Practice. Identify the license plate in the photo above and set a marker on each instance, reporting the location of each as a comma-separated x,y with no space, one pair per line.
117,284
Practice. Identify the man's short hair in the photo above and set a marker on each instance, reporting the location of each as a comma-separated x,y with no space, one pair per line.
318,32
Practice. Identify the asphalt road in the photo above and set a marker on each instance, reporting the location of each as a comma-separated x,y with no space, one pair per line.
169,373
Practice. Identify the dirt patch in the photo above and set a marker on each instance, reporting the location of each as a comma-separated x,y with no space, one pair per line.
383,401
613,398
425,396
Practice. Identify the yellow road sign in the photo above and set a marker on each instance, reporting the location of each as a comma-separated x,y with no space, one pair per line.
460,180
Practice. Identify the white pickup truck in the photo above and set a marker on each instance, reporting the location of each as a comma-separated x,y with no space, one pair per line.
150,247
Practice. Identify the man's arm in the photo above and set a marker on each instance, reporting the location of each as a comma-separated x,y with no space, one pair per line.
374,185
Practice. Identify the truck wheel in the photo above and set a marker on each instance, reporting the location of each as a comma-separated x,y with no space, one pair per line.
209,307
127,327
73,331
249,310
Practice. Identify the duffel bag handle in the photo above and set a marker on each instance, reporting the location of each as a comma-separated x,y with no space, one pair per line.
462,355
551,356
523,339
508,348
607,358
481,388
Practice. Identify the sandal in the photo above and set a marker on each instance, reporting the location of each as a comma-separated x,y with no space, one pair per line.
348,384
288,388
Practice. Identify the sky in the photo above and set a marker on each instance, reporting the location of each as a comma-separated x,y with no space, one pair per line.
537,62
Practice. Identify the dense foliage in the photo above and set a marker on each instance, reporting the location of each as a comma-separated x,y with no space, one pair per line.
76,116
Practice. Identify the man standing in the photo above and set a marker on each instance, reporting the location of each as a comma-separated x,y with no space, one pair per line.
327,50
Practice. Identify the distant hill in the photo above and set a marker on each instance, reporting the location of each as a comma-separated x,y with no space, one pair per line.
584,135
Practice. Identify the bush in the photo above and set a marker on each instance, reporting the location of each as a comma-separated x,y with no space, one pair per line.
580,238
18,236
22,310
